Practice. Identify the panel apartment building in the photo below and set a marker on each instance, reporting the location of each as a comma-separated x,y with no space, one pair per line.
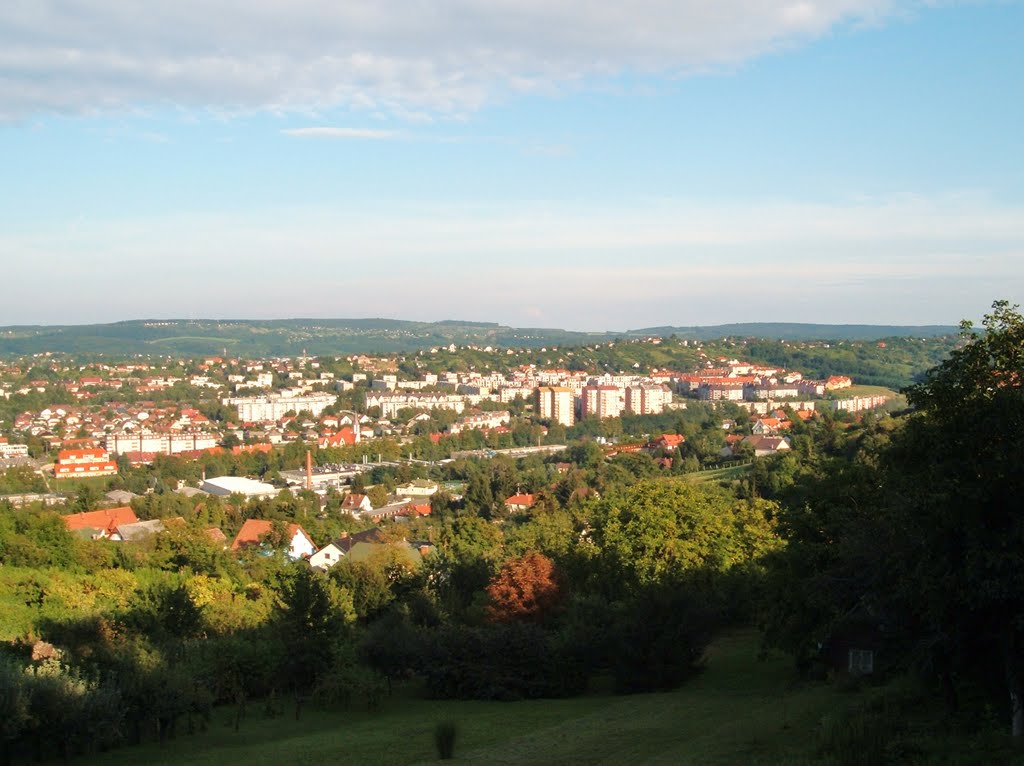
555,403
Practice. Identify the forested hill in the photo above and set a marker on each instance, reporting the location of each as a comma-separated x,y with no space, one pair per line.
285,337
797,331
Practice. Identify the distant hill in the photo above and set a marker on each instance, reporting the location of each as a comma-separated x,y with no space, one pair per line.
797,331
288,337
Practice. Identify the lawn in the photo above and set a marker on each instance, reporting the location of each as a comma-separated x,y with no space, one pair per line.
739,710
71,486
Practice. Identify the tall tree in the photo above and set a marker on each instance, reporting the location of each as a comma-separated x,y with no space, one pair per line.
959,481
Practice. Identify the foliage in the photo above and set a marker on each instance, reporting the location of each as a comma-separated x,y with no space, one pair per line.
659,639
502,661
313,614
656,531
921,532
529,588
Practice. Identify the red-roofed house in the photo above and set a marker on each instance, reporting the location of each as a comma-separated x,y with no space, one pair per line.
253,530
835,382
668,441
412,510
346,437
102,524
520,502
769,426
79,463
354,503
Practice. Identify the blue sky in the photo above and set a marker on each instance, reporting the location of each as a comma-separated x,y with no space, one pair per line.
580,165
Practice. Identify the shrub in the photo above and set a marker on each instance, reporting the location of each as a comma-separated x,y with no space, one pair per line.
444,740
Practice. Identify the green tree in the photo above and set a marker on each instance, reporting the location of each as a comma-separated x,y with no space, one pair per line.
958,478
312,616
920,527
657,530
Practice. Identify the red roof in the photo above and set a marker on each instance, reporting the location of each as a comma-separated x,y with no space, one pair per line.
108,519
523,499
345,436
77,454
670,440
253,529
421,509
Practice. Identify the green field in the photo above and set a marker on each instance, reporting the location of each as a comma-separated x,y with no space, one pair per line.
852,391
70,486
740,710
729,473
201,338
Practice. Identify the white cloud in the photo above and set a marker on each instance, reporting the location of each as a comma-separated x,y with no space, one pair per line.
328,132
440,57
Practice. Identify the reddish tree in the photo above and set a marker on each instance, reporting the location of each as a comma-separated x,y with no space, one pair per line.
529,588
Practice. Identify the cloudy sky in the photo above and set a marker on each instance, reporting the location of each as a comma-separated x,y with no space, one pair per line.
588,165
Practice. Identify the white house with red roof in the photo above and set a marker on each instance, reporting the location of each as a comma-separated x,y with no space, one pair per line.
80,463
520,502
254,531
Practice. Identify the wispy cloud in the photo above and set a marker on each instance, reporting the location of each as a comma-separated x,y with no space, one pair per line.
414,59
329,132
913,260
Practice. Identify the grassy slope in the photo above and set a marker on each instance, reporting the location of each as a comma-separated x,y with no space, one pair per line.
739,710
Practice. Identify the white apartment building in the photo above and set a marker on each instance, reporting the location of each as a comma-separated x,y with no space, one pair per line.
647,399
159,443
8,451
601,401
266,409
391,402
859,403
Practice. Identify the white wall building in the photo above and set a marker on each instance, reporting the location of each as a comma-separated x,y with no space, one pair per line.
647,399
222,486
601,401
556,403
265,409
161,444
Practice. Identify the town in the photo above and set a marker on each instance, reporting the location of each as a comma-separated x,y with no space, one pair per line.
101,418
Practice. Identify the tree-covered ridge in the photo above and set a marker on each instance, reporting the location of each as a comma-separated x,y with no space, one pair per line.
254,338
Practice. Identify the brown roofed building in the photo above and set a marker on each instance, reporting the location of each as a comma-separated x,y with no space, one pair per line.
102,524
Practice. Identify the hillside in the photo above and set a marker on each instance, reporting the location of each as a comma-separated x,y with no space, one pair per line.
741,709
798,331
288,337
